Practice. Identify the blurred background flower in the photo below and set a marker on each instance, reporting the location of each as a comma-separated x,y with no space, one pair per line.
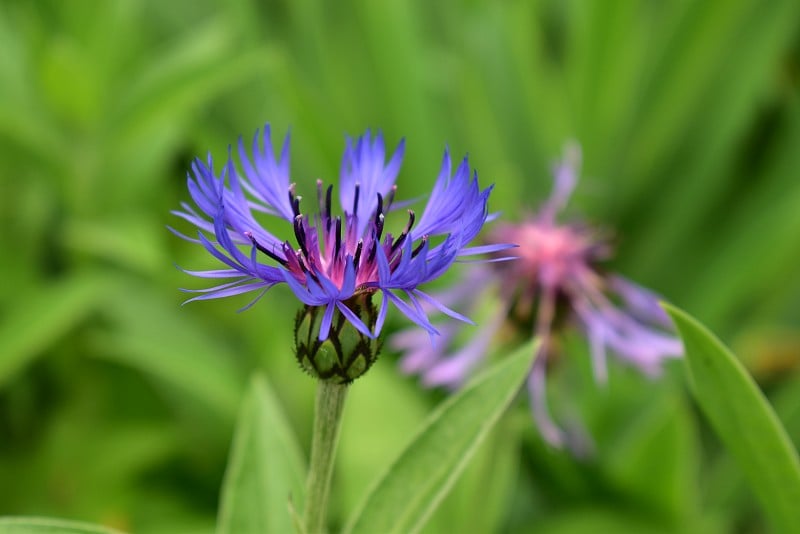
555,280
689,117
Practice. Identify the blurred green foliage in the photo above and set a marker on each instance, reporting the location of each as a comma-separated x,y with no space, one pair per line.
117,404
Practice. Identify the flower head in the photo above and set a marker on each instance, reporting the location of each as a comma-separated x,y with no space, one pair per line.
333,263
555,280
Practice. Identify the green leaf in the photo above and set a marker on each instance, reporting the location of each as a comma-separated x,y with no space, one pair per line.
403,498
479,501
265,471
381,397
590,519
44,525
744,421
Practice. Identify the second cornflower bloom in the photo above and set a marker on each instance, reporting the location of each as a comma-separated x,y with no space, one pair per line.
556,280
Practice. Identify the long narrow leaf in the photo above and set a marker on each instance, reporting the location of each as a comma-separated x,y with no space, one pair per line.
45,525
265,470
744,421
415,483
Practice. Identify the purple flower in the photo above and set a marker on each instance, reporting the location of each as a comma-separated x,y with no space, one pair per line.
332,262
555,279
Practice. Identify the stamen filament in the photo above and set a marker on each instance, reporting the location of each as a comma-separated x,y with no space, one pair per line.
419,247
355,199
265,250
300,234
402,237
357,257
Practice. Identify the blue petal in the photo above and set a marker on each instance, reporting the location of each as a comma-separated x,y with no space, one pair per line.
325,326
486,249
269,178
216,273
363,165
421,320
381,316
353,318
300,291
442,308
230,291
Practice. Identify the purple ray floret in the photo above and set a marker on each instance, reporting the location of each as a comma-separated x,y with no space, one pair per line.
328,258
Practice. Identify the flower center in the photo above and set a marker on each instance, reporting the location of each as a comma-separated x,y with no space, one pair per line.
547,252
326,243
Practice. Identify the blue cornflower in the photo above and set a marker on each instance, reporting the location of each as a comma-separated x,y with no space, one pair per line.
334,263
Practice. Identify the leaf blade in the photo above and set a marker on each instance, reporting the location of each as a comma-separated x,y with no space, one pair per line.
46,525
265,469
403,498
744,421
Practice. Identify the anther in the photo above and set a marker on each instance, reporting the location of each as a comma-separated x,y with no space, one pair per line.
379,221
379,218
300,234
355,199
411,219
402,237
338,236
418,249
265,250
320,199
373,250
380,205
328,195
390,197
357,257
294,200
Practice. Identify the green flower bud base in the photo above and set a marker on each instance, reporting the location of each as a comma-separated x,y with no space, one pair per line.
347,353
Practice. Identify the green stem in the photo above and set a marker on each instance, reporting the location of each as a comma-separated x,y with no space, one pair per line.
327,419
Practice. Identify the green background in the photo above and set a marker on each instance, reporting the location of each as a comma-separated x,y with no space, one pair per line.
117,404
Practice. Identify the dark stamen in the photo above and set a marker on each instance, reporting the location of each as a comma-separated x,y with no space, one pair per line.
294,200
379,219
320,199
306,270
372,251
328,195
390,197
380,205
402,237
411,219
265,250
419,247
300,234
357,257
338,237
398,242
